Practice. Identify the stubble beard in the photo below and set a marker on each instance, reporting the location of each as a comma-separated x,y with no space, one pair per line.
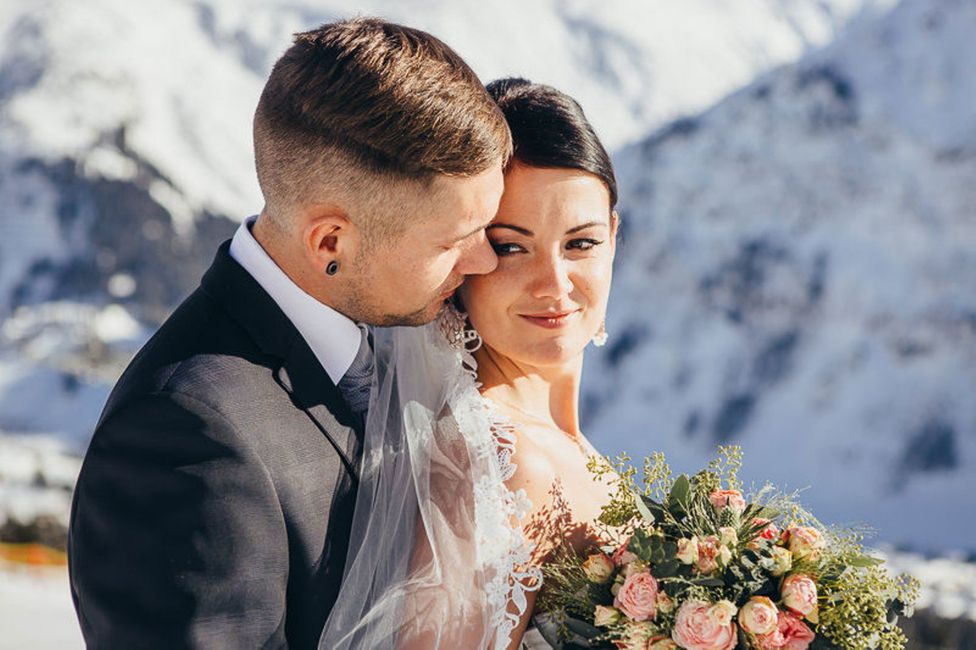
361,308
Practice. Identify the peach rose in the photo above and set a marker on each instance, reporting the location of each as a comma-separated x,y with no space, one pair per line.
688,550
637,597
722,499
636,566
728,536
790,634
598,568
622,556
805,542
779,561
665,604
636,636
661,643
758,616
702,626
799,593
604,616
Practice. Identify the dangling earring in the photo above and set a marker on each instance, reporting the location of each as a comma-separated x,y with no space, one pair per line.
332,268
600,338
454,324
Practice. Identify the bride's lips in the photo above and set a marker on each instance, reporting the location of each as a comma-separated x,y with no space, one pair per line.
551,321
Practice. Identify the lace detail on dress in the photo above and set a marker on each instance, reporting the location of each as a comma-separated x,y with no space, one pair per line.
503,547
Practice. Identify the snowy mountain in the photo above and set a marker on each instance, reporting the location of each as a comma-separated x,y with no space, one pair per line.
798,277
125,152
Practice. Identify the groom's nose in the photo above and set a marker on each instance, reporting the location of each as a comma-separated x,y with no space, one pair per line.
479,258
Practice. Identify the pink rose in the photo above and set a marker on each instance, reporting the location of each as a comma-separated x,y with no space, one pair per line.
770,532
758,616
799,593
622,556
702,626
790,634
637,597
722,499
708,550
795,632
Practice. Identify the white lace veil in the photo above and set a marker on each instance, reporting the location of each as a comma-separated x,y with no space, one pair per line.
436,554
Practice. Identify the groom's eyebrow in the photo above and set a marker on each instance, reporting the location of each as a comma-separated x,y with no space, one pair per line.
472,233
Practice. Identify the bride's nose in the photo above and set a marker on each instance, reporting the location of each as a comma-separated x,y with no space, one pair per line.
550,277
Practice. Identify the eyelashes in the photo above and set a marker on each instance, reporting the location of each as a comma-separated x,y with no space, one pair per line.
503,249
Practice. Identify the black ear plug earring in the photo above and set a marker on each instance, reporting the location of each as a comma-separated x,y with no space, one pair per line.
332,268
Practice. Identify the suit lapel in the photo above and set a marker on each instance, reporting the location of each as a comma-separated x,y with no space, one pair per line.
297,370
312,390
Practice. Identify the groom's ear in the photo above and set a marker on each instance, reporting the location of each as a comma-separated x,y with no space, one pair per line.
328,234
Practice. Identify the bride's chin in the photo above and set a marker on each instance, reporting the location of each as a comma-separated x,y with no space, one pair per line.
555,351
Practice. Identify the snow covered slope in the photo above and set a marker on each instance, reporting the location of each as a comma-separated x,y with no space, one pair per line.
125,152
798,277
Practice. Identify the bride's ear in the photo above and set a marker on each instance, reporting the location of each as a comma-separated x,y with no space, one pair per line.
614,226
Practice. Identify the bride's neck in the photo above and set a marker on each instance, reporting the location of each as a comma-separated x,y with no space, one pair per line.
549,395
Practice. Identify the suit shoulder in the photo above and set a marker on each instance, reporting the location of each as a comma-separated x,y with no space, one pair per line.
199,351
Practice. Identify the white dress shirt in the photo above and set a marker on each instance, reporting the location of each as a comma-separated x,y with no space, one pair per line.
333,337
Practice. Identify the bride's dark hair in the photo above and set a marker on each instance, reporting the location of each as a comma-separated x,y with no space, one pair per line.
549,129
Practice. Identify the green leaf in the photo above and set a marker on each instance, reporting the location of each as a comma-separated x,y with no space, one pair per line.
582,628
680,492
666,569
641,545
644,511
709,582
767,513
866,561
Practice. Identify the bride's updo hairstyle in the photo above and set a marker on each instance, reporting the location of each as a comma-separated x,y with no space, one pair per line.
549,129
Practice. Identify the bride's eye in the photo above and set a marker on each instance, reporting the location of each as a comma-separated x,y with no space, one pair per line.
583,244
502,249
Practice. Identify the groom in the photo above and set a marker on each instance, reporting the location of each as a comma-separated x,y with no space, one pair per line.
214,505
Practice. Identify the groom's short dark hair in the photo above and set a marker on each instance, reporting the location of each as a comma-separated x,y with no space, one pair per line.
371,98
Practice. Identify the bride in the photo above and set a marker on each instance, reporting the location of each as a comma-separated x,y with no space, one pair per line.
473,438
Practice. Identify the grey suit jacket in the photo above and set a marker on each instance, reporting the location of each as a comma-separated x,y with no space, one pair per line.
214,504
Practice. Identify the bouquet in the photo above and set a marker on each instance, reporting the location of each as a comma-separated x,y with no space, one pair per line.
693,563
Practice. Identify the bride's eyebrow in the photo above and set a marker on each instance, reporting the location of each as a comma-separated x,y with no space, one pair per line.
584,226
529,233
518,229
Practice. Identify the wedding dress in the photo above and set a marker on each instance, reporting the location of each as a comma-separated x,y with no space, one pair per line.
437,556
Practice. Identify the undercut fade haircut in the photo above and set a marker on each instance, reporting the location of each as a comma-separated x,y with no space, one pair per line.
549,129
362,106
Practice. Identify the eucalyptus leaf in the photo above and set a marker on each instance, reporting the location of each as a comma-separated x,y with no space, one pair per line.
680,492
644,511
709,582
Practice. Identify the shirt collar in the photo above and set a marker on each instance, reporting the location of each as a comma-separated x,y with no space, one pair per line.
333,337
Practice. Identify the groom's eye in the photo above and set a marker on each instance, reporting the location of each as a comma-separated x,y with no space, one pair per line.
502,249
